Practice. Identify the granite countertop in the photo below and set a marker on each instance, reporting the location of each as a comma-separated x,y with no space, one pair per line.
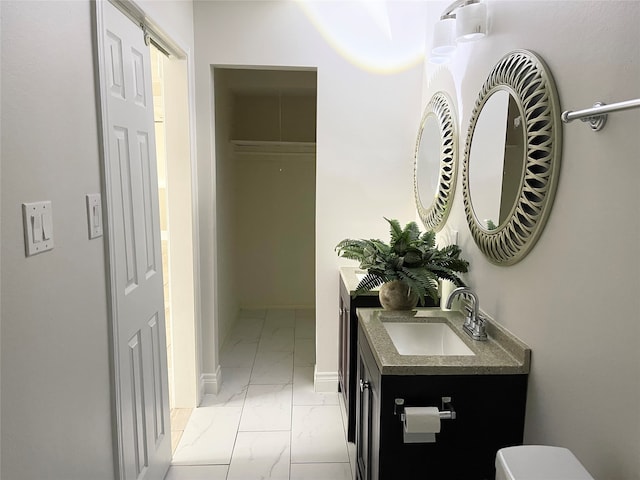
501,354
350,278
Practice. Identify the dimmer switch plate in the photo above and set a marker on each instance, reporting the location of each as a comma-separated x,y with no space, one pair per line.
94,214
38,227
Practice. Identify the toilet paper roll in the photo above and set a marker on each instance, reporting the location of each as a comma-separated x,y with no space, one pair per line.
421,420
418,437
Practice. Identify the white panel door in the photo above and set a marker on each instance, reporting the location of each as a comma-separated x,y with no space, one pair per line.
142,398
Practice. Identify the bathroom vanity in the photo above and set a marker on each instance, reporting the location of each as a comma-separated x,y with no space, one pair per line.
348,332
486,388
348,339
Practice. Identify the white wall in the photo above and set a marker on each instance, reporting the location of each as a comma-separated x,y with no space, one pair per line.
56,402
367,118
56,399
275,229
574,299
175,17
227,302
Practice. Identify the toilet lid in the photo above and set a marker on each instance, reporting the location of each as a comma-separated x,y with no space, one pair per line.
537,462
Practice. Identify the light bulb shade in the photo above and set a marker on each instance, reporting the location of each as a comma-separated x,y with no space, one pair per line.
439,59
444,41
471,22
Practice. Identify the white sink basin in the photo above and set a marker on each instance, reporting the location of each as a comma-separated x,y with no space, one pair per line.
416,338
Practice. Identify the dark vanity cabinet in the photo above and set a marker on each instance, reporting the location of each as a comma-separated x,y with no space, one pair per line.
489,410
348,344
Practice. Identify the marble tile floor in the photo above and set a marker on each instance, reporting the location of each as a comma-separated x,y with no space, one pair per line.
179,419
267,422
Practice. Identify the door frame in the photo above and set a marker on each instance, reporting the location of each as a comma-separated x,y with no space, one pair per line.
157,35
180,210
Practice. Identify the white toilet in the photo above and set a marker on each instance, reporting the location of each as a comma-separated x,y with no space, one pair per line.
538,462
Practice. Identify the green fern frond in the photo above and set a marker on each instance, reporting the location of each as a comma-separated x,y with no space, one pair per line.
369,282
423,282
349,244
395,231
413,232
429,238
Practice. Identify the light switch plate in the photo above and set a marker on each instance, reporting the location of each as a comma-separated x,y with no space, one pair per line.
38,227
94,215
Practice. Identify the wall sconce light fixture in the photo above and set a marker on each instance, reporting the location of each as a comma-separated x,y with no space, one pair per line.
462,21
444,36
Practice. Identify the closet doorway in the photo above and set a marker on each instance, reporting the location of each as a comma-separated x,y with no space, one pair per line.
265,130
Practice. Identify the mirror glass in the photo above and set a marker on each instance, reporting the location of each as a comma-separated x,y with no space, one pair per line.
435,162
496,160
428,161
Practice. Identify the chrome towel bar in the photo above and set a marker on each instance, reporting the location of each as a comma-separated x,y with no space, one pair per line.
597,115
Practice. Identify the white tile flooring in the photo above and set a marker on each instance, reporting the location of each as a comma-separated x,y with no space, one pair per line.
267,422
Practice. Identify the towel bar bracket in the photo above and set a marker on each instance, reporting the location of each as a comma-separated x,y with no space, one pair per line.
596,116
596,121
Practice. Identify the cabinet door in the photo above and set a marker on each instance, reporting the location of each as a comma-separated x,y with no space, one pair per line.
364,422
343,357
367,425
489,415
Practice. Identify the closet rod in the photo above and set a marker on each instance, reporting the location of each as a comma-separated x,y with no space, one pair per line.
597,115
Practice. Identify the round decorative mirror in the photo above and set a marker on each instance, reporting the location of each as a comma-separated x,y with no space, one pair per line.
435,162
512,157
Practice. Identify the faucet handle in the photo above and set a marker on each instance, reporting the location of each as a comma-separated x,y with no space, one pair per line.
482,321
479,331
469,320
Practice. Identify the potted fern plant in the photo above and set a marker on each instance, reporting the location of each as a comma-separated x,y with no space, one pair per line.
408,268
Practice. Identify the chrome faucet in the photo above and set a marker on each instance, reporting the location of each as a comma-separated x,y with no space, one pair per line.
475,322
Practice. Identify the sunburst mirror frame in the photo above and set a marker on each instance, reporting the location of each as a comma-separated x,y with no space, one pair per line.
434,216
525,76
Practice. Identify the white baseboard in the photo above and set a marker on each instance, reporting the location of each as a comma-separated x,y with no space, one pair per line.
210,382
262,306
325,381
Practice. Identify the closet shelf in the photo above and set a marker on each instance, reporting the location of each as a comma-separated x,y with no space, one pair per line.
272,146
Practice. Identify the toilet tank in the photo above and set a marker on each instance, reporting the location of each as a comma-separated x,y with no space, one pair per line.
538,462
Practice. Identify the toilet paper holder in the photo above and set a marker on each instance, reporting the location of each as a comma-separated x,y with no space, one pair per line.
447,412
